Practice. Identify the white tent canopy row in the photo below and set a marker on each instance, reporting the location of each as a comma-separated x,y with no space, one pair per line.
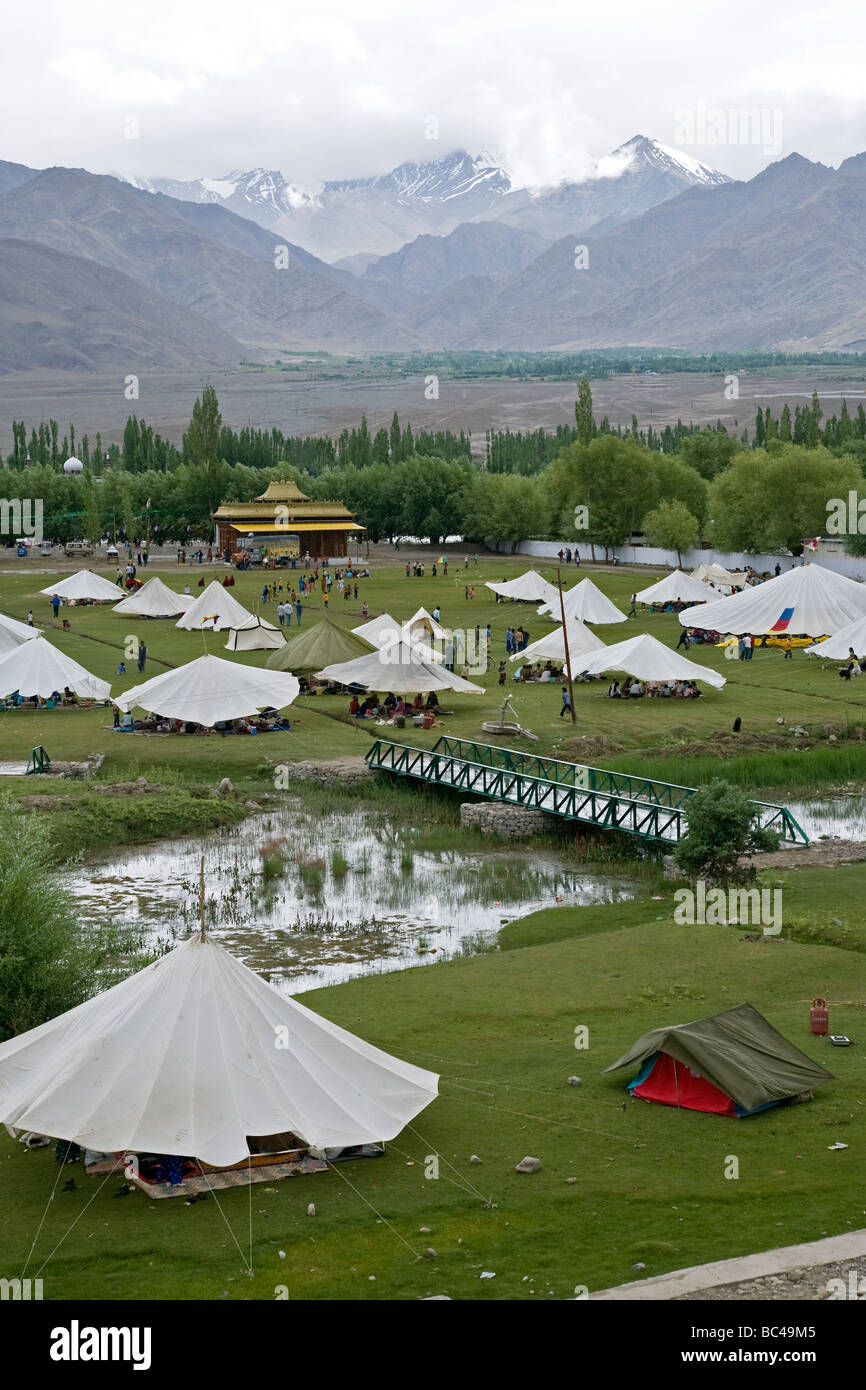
254,635
210,689
400,667
842,643
649,660
585,602
154,600
808,600
527,588
677,586
214,609
183,1058
39,668
84,585
551,647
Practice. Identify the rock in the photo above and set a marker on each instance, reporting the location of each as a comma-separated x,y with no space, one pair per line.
311,1209
437,1298
225,788
640,1265
430,1253
252,806
424,1230
507,821
831,738
574,1081
571,1181
473,1158
528,1165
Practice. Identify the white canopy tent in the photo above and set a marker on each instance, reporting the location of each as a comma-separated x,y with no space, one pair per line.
214,609
384,631
422,624
84,585
38,668
22,630
648,659
809,600
184,1058
378,630
677,585
527,588
847,639
154,600
585,602
254,635
718,575
10,639
210,689
552,646
399,666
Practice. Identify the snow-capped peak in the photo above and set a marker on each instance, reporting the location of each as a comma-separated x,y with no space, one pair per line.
641,149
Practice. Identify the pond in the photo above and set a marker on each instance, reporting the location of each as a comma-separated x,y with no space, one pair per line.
311,900
842,816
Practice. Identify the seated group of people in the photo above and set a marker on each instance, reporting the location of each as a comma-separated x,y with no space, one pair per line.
55,699
393,706
269,721
633,689
550,671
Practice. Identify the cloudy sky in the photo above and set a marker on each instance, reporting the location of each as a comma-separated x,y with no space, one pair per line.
185,88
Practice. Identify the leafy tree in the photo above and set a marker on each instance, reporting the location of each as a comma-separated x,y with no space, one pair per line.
202,439
671,526
709,452
721,830
770,500
583,412
48,963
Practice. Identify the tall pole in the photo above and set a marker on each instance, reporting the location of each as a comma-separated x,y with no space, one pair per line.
565,644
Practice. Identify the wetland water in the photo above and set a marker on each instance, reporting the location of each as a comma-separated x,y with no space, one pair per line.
310,900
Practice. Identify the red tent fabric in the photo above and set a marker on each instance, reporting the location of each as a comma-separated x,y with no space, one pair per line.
671,1083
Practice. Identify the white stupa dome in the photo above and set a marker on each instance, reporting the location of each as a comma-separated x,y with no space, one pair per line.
73,465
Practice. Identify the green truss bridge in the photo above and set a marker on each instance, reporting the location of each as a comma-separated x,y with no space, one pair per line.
608,800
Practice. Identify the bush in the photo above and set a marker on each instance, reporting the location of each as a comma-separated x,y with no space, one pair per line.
721,831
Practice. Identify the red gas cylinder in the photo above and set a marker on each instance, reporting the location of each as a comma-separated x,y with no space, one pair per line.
819,1018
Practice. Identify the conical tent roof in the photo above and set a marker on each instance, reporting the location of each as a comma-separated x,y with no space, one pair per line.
384,628
551,647
648,659
836,648
527,588
400,667
677,585
586,602
215,609
39,668
22,630
255,635
423,622
186,1058
210,689
717,574
84,584
154,600
9,640
325,644
807,600
739,1052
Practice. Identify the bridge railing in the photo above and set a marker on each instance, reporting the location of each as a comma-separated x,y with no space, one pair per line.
573,790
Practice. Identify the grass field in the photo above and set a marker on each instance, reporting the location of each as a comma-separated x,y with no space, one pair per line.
650,1181
649,735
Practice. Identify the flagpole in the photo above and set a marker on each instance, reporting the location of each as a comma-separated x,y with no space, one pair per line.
565,644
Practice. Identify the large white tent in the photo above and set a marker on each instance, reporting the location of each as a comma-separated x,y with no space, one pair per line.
214,609
10,638
154,600
84,584
254,635
837,647
649,660
38,668
677,586
551,647
808,600
585,602
422,624
22,630
527,588
384,631
210,689
399,666
185,1058
718,575
379,630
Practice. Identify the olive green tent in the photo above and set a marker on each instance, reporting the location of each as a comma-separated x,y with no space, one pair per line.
322,645
732,1063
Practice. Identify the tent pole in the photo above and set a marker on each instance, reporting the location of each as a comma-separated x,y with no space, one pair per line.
201,899
565,644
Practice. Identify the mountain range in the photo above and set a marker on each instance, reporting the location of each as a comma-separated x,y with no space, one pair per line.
654,248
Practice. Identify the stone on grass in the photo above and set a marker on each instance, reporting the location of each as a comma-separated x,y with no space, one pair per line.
574,1081
473,1158
528,1165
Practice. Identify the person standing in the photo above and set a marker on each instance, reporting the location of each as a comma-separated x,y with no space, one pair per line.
30,618
142,655
684,640
55,604
632,612
750,646
298,612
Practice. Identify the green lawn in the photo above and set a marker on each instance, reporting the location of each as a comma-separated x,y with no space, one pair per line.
760,692
651,1184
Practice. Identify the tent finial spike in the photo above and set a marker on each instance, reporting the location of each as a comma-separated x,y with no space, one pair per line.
201,899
